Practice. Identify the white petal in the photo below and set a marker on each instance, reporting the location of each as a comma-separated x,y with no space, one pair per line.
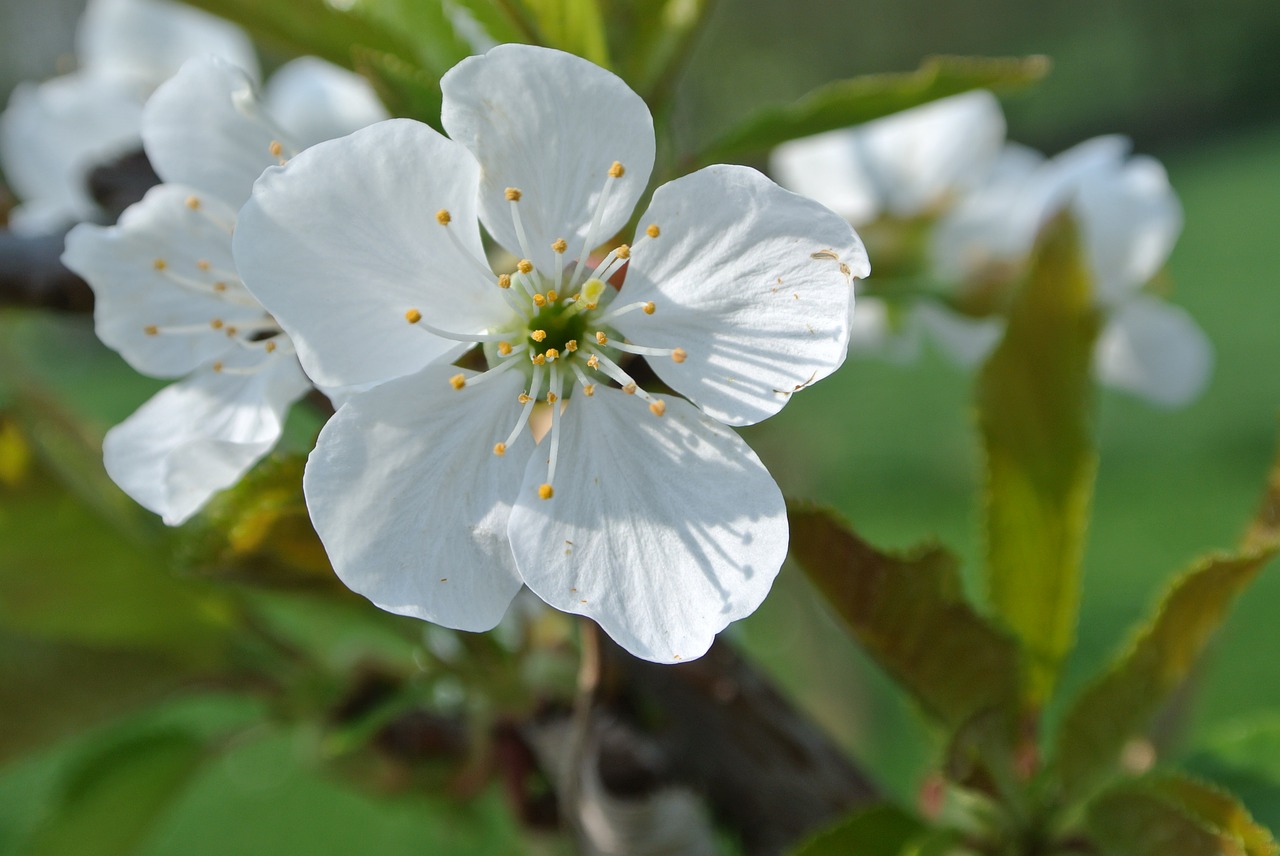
146,270
662,529
314,101
550,124
199,436
412,504
52,135
206,128
144,42
827,168
748,280
1155,350
1130,220
343,241
965,341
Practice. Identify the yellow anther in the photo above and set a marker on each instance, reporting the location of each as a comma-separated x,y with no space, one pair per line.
513,194
443,217
217,367
616,170
657,407
539,300
538,335
232,331
219,286
499,449
551,295
504,280
653,231
539,359
545,492
504,349
552,398
623,251
523,398
679,355
413,316
552,354
571,345
593,362
458,381
601,338
560,245
151,330
650,308
589,390
216,323
203,264
524,266
193,203
270,347
159,264
275,148
629,389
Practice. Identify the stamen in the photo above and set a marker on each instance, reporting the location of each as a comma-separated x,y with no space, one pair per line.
485,376
601,338
504,280
193,202
444,218
546,492
504,349
553,395
513,197
648,307
551,354
559,246
658,407
615,172
414,317
539,300
612,263
652,230
528,399
538,335
677,354
613,370
203,264
587,386
275,148
159,264
216,323
499,449
458,381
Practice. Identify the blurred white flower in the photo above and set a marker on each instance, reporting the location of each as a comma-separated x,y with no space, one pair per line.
168,297
643,512
53,133
1129,219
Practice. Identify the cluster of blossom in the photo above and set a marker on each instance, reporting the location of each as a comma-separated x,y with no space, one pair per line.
552,457
946,167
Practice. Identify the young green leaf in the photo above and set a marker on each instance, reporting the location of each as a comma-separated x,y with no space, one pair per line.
1174,815
576,26
910,614
501,20
114,797
426,26
861,99
404,88
658,38
1035,414
1244,757
1119,707
883,830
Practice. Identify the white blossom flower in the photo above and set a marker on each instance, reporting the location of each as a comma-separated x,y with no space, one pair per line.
640,510
911,164
53,133
1129,219
168,297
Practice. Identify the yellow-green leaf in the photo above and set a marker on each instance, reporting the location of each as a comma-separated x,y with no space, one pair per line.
576,26
861,99
882,830
1035,415
910,614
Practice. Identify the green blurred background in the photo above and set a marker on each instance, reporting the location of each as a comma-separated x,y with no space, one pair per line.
892,447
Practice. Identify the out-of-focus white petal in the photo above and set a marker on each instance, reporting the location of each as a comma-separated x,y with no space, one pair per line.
52,135
752,281
876,331
550,124
143,42
411,503
1155,350
206,128
343,241
965,341
158,268
314,100
662,529
199,436
827,168
1130,220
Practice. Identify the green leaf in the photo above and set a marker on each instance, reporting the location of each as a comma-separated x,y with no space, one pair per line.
576,26
501,20
311,27
1035,416
426,25
861,99
883,830
1119,707
1174,815
659,37
1244,758
910,614
114,796
406,89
